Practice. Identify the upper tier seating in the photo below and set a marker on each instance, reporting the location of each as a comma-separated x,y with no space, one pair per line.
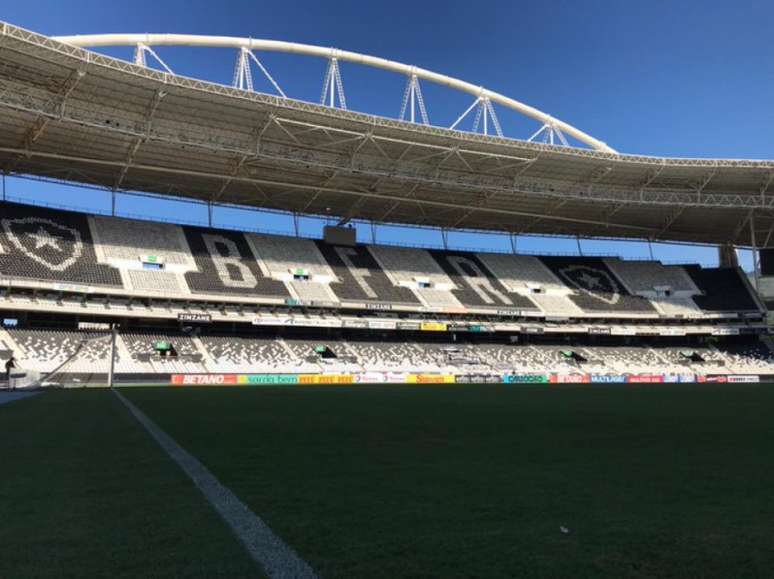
645,276
596,288
723,289
476,285
124,243
161,282
284,256
359,277
226,265
676,307
128,240
50,245
56,247
409,267
528,275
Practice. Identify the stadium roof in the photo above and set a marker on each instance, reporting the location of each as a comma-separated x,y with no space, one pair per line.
75,115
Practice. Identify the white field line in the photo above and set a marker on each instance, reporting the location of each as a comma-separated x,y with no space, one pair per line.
277,559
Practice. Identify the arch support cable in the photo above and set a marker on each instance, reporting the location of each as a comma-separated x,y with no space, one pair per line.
550,134
243,77
484,114
413,99
333,86
139,57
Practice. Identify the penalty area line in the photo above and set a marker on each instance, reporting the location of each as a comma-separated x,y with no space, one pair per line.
275,557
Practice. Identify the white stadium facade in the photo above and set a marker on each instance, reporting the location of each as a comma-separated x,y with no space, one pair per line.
203,305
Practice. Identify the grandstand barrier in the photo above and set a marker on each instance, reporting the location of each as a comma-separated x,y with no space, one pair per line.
420,379
80,380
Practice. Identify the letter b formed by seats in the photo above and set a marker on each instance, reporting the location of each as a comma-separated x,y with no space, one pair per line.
227,260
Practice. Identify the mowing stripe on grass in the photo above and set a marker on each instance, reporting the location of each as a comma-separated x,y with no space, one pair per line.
6,397
275,557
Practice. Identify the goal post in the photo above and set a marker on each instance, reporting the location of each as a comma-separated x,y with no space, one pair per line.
85,367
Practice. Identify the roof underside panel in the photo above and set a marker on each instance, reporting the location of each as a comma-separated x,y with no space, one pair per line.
73,115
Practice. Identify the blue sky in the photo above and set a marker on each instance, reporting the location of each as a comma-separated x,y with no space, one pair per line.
658,77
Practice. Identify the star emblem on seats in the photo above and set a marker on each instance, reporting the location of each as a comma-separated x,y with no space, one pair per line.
44,239
593,282
53,245
589,280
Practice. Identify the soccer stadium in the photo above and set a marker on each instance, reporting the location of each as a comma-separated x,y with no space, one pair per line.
200,399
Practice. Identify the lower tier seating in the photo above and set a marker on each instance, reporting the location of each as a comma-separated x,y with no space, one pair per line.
165,352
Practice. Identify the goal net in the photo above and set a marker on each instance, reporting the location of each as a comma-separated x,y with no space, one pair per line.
88,364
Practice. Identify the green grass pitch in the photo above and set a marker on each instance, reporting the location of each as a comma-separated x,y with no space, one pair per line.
398,481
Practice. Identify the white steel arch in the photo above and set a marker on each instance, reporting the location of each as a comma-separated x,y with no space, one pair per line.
482,95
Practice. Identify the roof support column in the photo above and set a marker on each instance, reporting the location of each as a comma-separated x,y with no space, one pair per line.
755,253
727,256
445,238
580,249
514,242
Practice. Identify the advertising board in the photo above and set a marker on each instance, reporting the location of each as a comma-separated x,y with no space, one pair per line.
315,379
321,322
525,379
608,378
267,379
430,379
192,317
203,379
645,378
432,327
370,378
383,325
570,378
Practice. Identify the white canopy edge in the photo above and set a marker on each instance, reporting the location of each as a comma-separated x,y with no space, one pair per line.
95,40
